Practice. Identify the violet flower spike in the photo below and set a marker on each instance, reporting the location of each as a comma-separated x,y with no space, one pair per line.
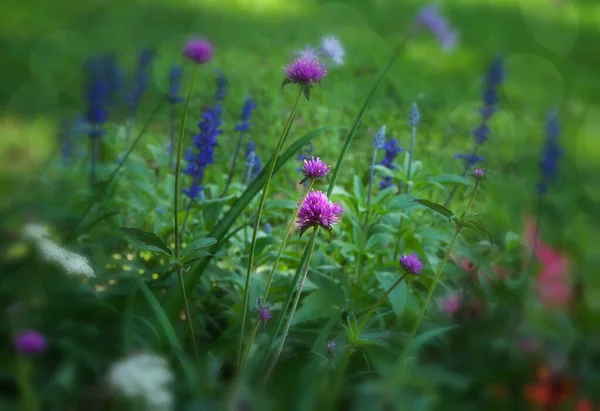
200,51
317,210
411,263
315,169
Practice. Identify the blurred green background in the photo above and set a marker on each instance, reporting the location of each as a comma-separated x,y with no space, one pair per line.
550,49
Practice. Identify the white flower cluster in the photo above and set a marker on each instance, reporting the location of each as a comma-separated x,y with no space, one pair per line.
73,264
144,377
330,47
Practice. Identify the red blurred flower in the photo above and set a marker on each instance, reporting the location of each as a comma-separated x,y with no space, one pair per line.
584,405
550,390
470,267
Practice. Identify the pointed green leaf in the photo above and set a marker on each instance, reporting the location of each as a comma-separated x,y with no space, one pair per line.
306,91
197,245
398,296
285,82
152,241
419,341
438,208
477,227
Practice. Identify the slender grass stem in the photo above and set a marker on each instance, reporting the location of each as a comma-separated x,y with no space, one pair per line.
178,267
257,221
378,303
274,269
365,235
311,247
236,154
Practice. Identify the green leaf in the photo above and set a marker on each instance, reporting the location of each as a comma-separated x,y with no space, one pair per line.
476,226
224,225
397,297
197,245
314,306
281,204
451,178
285,82
152,241
377,241
306,92
194,256
167,329
402,201
359,191
438,208
428,335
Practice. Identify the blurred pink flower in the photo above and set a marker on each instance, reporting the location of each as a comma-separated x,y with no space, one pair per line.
553,286
450,303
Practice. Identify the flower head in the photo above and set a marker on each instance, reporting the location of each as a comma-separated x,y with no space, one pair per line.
308,52
200,51
478,174
450,304
249,107
333,48
144,377
469,158
268,229
264,311
317,210
304,71
430,18
30,342
315,168
414,117
174,85
391,152
411,263
551,153
379,139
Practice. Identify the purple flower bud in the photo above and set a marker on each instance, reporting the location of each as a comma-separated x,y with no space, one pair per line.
304,71
30,342
199,51
478,174
411,263
315,168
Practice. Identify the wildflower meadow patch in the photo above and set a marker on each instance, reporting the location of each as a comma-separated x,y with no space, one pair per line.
218,232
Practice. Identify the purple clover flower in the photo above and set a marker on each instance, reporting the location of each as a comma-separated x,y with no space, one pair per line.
200,51
551,152
304,71
304,154
317,210
478,174
430,18
315,168
411,263
30,342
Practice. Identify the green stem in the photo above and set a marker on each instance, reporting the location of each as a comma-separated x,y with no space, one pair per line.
415,328
257,222
398,238
378,303
365,233
176,209
29,400
275,264
311,247
339,377
434,284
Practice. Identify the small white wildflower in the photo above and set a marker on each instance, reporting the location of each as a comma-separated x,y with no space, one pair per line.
333,48
35,232
145,377
72,263
308,52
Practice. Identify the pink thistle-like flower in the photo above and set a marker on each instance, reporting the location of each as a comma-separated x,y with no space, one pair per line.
478,174
411,263
314,169
305,71
200,51
317,210
30,342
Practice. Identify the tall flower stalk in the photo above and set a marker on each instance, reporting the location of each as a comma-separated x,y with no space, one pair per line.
200,52
378,143
314,169
243,127
478,175
493,79
551,153
305,73
173,98
316,211
413,119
